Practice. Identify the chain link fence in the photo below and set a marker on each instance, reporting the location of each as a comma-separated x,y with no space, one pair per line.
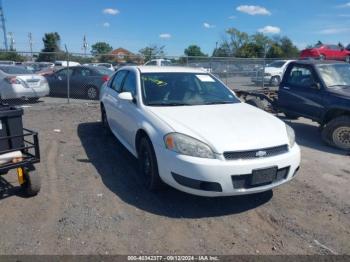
29,77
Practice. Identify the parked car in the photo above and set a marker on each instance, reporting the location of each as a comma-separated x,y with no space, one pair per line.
3,62
106,65
158,62
85,81
189,130
65,63
273,73
330,52
18,82
318,90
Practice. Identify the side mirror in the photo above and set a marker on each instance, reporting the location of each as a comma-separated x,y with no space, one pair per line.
59,77
316,86
126,96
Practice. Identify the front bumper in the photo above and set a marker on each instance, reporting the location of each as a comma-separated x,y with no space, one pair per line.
221,172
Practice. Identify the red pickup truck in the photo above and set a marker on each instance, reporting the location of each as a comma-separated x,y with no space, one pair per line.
327,52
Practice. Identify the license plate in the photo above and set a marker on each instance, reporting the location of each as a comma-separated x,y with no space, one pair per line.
263,176
33,84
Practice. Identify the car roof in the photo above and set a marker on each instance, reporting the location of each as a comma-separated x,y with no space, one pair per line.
167,69
318,62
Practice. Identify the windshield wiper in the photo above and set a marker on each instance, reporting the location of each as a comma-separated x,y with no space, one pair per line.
218,102
169,104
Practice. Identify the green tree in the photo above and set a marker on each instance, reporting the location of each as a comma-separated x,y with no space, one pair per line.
194,50
152,52
235,40
11,56
100,48
51,50
288,48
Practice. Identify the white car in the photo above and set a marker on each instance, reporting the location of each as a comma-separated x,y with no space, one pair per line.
158,62
273,72
65,63
19,83
191,132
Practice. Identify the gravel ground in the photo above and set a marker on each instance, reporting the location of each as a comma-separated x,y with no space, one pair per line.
92,200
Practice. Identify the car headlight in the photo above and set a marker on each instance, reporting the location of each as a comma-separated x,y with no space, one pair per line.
291,135
187,145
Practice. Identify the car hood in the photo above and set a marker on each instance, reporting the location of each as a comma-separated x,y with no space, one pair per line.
341,91
228,127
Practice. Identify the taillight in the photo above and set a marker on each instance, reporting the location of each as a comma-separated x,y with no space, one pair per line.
105,78
13,80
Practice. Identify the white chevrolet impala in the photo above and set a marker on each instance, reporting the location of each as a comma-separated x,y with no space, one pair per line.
190,131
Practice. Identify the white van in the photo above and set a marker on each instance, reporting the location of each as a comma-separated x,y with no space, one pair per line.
65,64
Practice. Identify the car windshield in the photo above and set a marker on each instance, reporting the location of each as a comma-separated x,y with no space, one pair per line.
335,75
277,64
14,70
180,89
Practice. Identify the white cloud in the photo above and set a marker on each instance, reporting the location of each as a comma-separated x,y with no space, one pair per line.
253,10
207,25
165,36
347,5
270,30
334,31
111,11
106,24
232,17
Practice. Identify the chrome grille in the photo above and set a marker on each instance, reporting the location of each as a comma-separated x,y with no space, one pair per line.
258,153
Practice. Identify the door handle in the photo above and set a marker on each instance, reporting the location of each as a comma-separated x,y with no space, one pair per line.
286,87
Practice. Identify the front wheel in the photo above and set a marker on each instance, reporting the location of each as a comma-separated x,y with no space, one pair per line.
322,57
31,184
337,132
148,165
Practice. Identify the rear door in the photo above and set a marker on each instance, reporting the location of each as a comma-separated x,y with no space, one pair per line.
301,92
80,80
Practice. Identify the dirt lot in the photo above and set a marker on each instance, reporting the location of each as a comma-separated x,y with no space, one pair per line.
93,202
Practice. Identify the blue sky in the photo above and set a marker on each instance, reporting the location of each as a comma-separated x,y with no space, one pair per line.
134,24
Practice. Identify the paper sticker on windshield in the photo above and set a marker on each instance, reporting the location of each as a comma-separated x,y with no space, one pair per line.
205,78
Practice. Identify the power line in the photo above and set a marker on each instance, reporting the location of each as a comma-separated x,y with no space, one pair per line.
3,25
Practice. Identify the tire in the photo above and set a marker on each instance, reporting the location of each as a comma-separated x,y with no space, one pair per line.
291,116
275,81
322,57
148,165
347,59
256,102
34,99
92,93
104,121
32,184
337,132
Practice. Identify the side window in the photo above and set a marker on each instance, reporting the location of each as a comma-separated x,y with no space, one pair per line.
300,76
82,72
118,81
130,83
151,63
63,73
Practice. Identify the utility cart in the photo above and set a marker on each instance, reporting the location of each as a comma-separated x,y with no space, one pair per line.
19,149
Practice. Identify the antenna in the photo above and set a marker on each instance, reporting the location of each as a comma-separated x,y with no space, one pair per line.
3,25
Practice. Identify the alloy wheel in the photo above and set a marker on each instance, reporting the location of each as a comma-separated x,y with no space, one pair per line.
341,137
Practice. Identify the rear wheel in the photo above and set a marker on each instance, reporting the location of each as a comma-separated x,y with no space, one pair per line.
347,59
92,93
337,132
32,184
148,165
275,81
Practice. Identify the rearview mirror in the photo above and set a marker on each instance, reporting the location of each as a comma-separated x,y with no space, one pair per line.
127,96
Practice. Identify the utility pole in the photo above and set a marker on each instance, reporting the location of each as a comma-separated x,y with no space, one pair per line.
3,25
12,41
85,45
30,36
